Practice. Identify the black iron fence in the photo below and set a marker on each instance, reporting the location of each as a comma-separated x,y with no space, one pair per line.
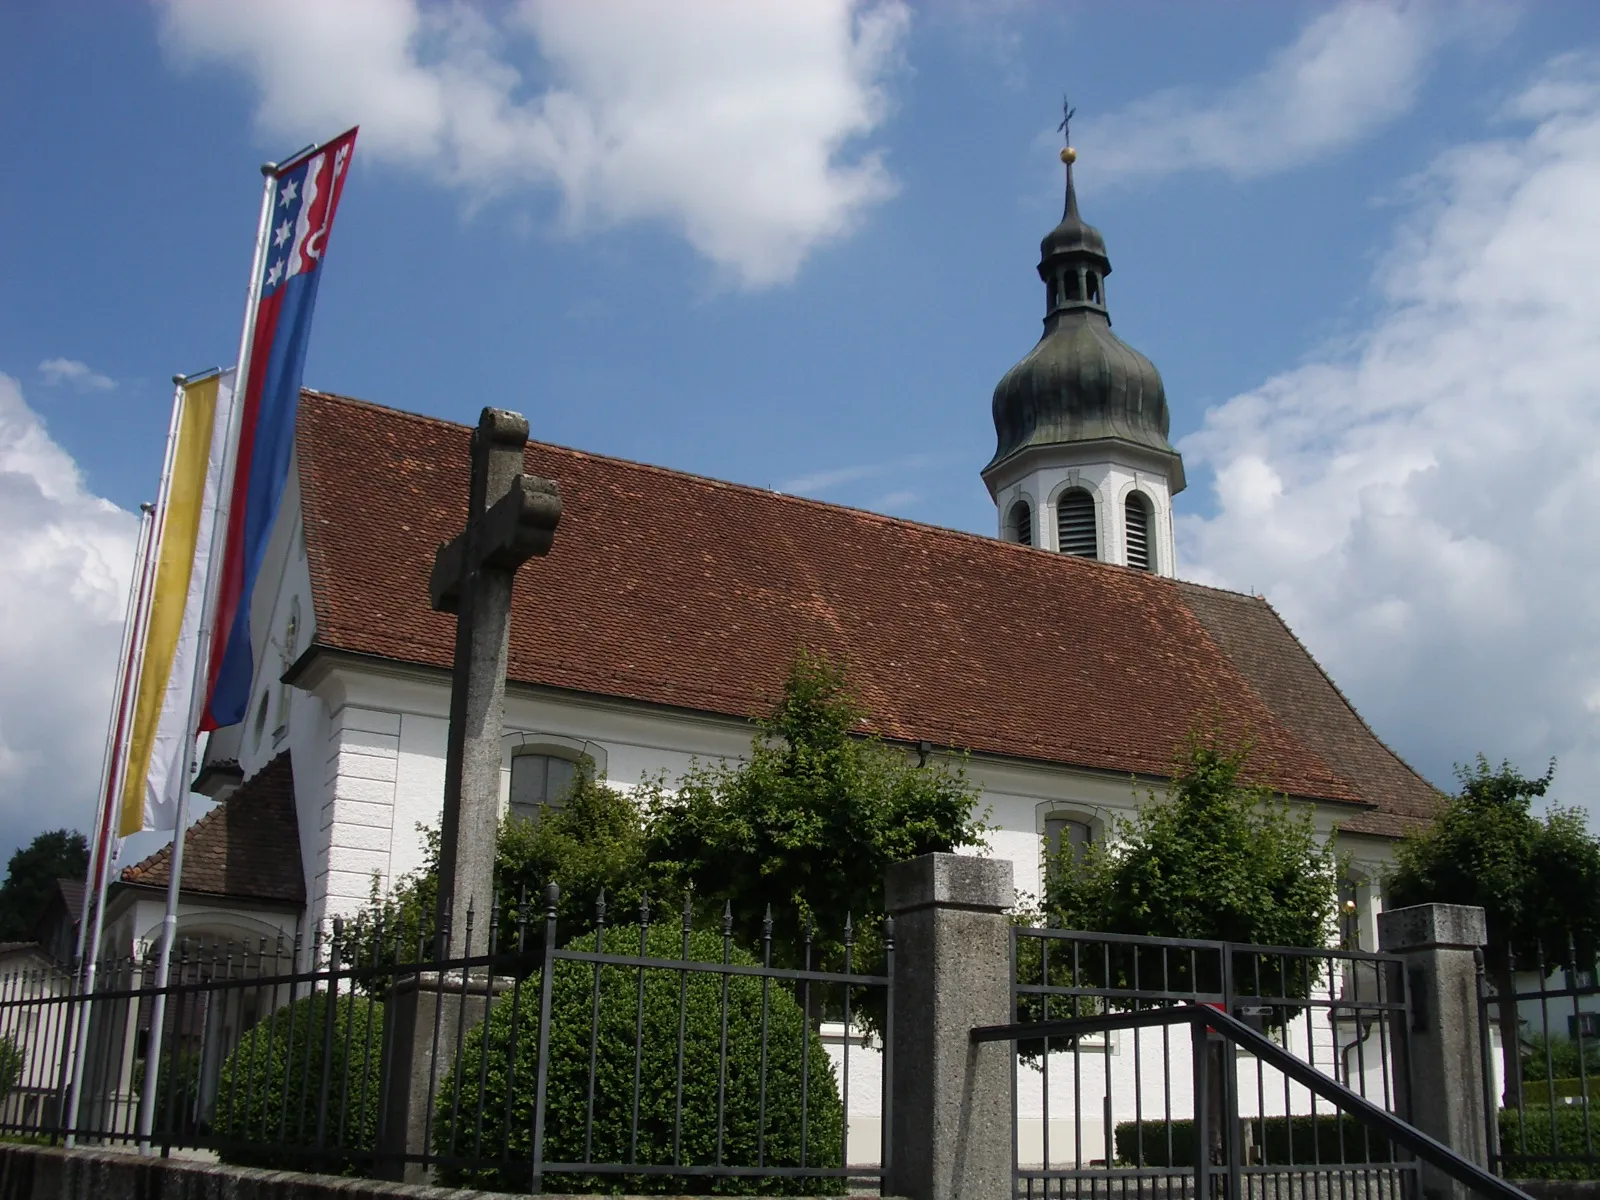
1133,1104
1540,1021
638,1054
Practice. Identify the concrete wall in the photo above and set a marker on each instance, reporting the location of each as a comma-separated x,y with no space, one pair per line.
44,1173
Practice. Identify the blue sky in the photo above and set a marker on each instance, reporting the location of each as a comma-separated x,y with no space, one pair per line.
795,247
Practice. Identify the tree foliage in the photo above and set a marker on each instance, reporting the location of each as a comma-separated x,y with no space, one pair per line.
810,822
1217,858
1537,879
32,872
761,1114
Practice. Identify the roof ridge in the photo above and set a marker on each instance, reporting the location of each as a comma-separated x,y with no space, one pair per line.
751,488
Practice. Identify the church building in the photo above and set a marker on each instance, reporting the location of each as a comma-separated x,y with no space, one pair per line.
1063,655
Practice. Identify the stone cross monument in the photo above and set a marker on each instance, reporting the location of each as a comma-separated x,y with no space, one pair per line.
511,517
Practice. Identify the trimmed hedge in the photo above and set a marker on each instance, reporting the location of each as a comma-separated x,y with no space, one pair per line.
1528,1133
271,1088
459,1132
1278,1139
1536,1092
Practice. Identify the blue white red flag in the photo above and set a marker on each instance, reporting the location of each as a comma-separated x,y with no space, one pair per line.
305,196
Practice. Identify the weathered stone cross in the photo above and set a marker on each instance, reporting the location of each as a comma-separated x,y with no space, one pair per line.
511,518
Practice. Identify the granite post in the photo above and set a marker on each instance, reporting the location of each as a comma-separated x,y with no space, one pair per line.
1441,1053
511,517
951,1121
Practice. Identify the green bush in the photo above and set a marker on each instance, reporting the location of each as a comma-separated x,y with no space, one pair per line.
271,1088
457,1128
1528,1133
12,1061
1277,1140
1536,1093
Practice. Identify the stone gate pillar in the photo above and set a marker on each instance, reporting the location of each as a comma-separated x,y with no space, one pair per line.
951,1121
1442,1048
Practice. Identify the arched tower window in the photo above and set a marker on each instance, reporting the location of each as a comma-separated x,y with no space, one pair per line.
1021,523
1075,524
1137,511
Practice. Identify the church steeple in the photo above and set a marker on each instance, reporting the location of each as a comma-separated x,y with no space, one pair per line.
1082,461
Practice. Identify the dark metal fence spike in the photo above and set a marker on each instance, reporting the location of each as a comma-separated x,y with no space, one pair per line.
644,910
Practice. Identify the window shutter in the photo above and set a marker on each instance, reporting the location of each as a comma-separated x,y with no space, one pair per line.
1022,521
1138,517
1075,524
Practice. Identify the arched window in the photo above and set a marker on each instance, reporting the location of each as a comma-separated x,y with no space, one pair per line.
1092,279
540,781
1137,510
1075,524
1068,835
1021,523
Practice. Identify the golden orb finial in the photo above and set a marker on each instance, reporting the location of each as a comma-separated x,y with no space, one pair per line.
1068,154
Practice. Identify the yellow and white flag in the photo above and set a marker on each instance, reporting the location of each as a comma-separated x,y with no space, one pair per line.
162,738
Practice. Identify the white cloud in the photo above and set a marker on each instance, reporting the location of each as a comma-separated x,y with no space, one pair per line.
1425,510
735,121
79,375
816,482
65,559
1351,71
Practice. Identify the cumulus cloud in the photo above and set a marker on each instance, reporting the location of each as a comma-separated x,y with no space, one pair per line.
1424,508
1351,71
80,375
738,122
65,559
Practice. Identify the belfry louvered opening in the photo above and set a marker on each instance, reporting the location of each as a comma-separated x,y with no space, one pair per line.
1138,521
1021,523
1075,524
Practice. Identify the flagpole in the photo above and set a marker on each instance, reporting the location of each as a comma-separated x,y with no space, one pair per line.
202,661
116,725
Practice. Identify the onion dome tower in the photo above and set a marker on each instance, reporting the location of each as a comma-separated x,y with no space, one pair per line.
1082,463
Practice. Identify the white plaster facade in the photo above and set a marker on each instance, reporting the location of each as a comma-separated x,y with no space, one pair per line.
1109,472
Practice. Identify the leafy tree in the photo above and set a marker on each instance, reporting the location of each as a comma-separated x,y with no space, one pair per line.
33,871
809,823
1536,879
1218,858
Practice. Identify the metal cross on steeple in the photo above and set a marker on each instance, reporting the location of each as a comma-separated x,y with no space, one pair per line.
1067,113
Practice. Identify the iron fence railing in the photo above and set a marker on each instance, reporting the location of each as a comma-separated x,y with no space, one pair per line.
632,1049
1123,1103
1392,1174
1539,1097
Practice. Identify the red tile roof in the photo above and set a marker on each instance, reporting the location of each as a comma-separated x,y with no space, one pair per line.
673,589
247,848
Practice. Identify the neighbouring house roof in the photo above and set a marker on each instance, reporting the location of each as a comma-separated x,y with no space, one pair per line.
673,589
247,848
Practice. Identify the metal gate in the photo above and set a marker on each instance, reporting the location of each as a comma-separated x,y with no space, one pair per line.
1136,1106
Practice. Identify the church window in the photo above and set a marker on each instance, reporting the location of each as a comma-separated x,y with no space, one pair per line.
1022,523
1092,280
1067,835
1138,518
539,782
1075,524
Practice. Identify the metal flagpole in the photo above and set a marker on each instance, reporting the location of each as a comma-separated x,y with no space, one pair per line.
202,660
138,581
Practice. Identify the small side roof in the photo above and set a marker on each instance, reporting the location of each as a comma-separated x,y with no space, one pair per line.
247,848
